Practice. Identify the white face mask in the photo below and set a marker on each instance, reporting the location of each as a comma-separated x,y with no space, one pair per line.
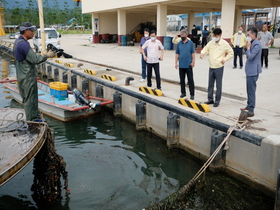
153,38
146,35
248,39
239,32
216,39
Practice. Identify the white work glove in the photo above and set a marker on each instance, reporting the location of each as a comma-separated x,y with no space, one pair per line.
51,54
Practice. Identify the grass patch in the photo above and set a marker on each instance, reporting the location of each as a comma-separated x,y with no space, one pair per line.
74,31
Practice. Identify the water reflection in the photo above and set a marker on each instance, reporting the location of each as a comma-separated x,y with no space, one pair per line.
5,68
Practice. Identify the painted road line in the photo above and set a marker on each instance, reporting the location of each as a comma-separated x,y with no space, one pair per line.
194,105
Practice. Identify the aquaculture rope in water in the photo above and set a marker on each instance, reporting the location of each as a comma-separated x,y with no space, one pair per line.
48,169
178,199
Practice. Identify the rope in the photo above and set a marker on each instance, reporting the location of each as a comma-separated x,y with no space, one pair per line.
18,121
49,167
177,197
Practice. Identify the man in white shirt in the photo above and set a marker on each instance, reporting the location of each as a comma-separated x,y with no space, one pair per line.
153,47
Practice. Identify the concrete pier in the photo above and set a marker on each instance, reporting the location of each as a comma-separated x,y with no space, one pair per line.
253,154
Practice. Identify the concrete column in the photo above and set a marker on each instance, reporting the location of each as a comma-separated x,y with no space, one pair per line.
161,21
210,20
204,22
238,18
121,25
95,27
190,21
228,13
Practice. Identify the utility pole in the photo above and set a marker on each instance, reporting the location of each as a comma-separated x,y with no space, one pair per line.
2,31
41,19
274,22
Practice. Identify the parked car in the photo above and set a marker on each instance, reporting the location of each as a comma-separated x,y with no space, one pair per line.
14,35
52,37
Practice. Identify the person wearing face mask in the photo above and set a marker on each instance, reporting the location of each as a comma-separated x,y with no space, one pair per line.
152,58
194,36
266,40
238,42
143,62
252,69
185,54
219,52
205,34
177,39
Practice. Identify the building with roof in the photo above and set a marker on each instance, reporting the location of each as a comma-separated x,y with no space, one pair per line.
121,17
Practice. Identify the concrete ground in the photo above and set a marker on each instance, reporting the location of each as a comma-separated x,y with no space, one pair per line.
267,113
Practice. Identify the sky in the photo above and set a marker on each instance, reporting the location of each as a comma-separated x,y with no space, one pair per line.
11,3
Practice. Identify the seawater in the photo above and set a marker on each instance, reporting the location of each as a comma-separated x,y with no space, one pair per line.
111,165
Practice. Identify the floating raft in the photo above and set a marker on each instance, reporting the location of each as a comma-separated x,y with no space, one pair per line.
19,142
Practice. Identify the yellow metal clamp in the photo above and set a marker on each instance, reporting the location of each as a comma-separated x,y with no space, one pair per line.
150,91
108,77
194,105
91,72
69,64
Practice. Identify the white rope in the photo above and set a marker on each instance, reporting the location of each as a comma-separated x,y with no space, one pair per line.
237,126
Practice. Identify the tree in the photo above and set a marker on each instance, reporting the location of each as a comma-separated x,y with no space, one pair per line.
31,13
47,12
16,16
65,13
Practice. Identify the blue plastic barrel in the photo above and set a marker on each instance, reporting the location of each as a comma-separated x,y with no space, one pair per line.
124,42
167,42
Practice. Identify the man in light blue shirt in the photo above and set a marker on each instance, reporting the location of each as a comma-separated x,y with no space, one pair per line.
185,54
266,40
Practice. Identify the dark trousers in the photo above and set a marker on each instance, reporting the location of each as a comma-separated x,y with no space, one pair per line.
251,83
238,52
265,56
215,75
182,74
195,41
144,67
204,41
150,67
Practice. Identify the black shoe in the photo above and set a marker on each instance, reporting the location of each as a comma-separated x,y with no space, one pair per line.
182,95
192,97
234,67
250,114
241,67
216,105
209,102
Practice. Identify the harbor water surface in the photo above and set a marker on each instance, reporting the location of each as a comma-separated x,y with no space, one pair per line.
111,165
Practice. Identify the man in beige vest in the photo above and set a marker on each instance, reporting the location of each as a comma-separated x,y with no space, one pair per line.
238,42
